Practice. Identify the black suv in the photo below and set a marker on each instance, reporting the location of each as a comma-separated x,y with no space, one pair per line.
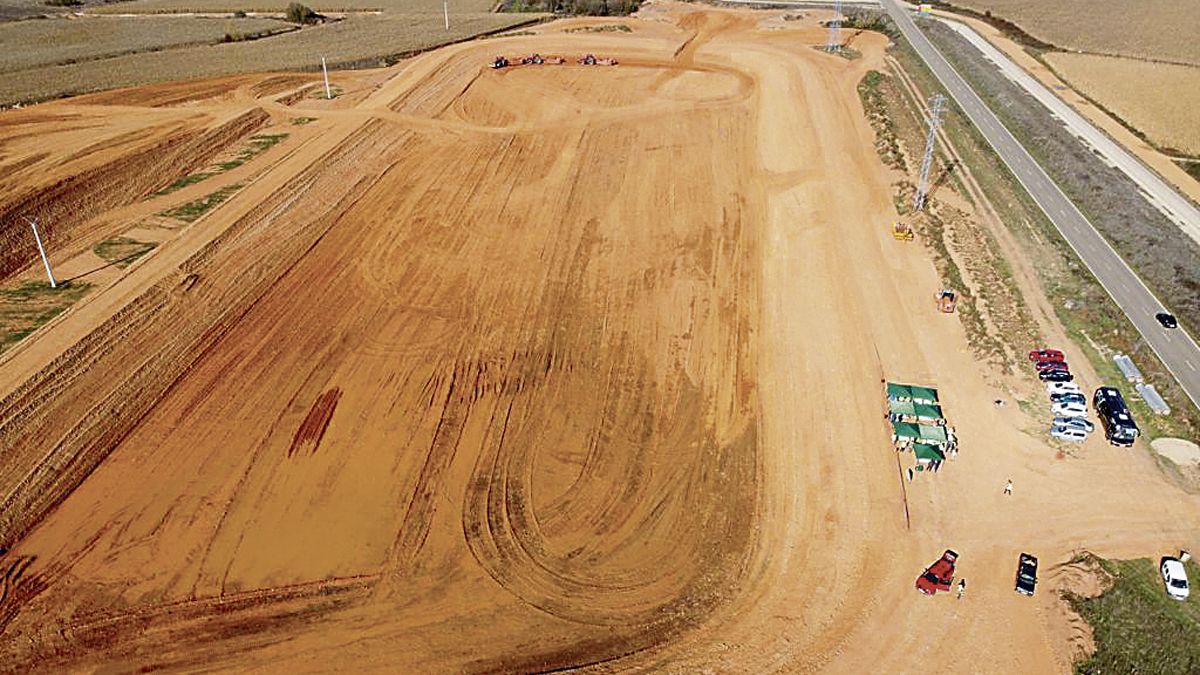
1167,320
1026,574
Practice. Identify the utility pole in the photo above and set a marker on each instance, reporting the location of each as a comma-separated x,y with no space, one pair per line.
935,121
446,12
328,94
42,250
834,42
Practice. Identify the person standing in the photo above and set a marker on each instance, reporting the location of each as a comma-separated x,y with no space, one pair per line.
962,588
1008,488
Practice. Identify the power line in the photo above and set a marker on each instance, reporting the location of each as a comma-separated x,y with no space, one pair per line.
935,121
834,42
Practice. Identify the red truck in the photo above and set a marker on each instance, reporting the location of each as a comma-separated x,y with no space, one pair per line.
939,575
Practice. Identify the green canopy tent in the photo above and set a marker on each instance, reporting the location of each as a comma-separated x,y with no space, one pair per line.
926,395
926,412
928,453
905,432
899,392
902,408
931,434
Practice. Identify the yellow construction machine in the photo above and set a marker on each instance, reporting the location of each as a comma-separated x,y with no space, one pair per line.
902,231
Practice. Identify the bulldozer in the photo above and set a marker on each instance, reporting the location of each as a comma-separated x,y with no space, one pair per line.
947,300
902,231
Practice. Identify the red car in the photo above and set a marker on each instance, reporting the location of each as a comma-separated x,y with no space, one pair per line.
939,575
1043,366
1046,355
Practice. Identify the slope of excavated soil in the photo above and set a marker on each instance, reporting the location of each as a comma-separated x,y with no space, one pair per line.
532,369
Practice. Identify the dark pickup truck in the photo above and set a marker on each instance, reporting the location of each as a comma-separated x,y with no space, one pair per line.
1026,574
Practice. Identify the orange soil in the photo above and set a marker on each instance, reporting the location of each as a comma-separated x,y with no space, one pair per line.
538,368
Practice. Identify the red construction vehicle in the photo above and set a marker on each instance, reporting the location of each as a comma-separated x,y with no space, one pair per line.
499,63
591,60
939,575
532,60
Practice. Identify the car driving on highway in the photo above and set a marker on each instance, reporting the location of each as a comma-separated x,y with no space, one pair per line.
1167,320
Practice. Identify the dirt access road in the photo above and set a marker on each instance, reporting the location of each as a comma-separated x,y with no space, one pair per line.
547,367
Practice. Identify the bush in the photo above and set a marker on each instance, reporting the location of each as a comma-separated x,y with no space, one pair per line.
239,14
576,7
298,13
63,3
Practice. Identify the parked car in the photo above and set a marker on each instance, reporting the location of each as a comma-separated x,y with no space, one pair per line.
1073,434
1062,388
1026,574
1068,396
1046,355
1043,366
1069,409
939,575
1056,376
1175,578
1077,422
1167,320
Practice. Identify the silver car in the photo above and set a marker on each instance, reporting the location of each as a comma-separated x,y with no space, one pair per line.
1069,434
1076,422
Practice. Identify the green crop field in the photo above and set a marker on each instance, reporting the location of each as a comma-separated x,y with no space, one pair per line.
30,44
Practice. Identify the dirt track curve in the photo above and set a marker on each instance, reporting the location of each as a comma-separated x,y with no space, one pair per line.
532,369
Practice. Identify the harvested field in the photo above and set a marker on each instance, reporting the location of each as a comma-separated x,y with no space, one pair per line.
359,40
395,7
1158,30
533,369
33,44
1157,99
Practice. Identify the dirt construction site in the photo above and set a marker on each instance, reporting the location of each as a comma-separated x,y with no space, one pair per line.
522,369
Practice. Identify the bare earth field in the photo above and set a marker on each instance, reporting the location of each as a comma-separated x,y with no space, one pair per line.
1158,99
539,368
1159,30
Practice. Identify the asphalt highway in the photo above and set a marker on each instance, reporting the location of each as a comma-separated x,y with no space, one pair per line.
1177,350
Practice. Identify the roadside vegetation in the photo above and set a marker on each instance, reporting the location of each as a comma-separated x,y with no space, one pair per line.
1136,626
26,307
574,7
